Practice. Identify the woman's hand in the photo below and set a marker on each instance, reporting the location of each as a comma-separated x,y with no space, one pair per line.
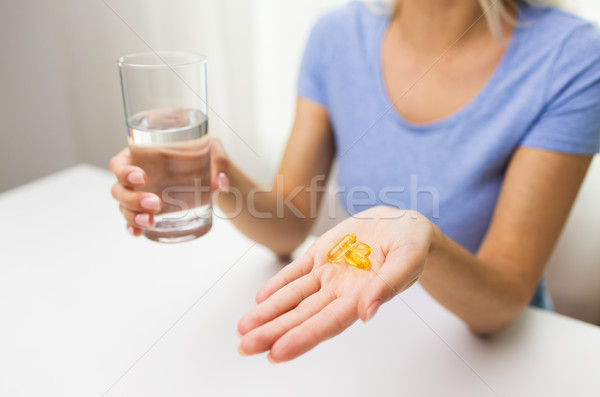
311,300
138,207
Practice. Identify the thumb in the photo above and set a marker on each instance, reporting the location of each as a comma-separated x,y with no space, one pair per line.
397,274
219,166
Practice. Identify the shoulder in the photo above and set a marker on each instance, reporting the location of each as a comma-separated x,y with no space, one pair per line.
562,52
556,49
559,31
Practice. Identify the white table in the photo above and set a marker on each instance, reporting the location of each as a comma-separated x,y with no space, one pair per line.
81,301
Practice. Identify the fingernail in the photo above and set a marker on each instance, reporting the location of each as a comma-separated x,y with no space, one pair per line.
372,309
223,182
143,220
150,203
131,230
136,178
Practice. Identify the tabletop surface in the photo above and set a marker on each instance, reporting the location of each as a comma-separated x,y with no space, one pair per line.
88,310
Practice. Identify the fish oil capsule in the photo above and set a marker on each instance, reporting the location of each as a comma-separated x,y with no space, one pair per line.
336,254
350,251
358,254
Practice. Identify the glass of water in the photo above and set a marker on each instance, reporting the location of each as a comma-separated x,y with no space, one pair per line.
165,100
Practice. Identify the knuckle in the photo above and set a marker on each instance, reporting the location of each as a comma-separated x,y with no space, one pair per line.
280,328
249,321
115,161
274,306
114,191
122,175
112,164
312,335
261,340
124,213
332,294
128,215
297,291
215,141
220,161
252,344
335,321
217,150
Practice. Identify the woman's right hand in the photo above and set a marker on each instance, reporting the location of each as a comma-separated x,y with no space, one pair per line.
138,207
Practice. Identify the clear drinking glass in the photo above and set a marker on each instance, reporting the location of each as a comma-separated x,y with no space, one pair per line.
165,100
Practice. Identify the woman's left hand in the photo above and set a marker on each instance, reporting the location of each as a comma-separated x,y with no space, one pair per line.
312,300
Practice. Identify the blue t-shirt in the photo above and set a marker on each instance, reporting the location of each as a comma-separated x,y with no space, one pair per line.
545,93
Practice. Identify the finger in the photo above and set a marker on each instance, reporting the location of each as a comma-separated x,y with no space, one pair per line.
134,230
219,165
329,322
221,183
136,201
291,272
262,338
142,220
401,269
279,303
127,174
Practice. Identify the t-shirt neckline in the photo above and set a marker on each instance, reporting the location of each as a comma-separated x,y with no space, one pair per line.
470,107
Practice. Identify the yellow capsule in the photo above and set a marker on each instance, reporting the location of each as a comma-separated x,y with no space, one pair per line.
355,259
336,254
361,248
351,252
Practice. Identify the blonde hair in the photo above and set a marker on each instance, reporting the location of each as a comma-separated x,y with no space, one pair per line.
496,11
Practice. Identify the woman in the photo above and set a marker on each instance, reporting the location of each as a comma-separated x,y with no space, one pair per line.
484,118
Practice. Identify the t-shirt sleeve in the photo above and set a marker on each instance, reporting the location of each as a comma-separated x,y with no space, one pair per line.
570,120
311,79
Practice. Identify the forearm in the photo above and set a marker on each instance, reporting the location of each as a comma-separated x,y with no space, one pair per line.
262,214
487,295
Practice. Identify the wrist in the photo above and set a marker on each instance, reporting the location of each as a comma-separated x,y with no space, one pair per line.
437,239
436,244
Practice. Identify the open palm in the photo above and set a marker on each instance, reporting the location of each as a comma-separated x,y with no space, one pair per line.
311,300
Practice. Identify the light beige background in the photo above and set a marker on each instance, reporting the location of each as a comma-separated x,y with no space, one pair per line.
60,95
